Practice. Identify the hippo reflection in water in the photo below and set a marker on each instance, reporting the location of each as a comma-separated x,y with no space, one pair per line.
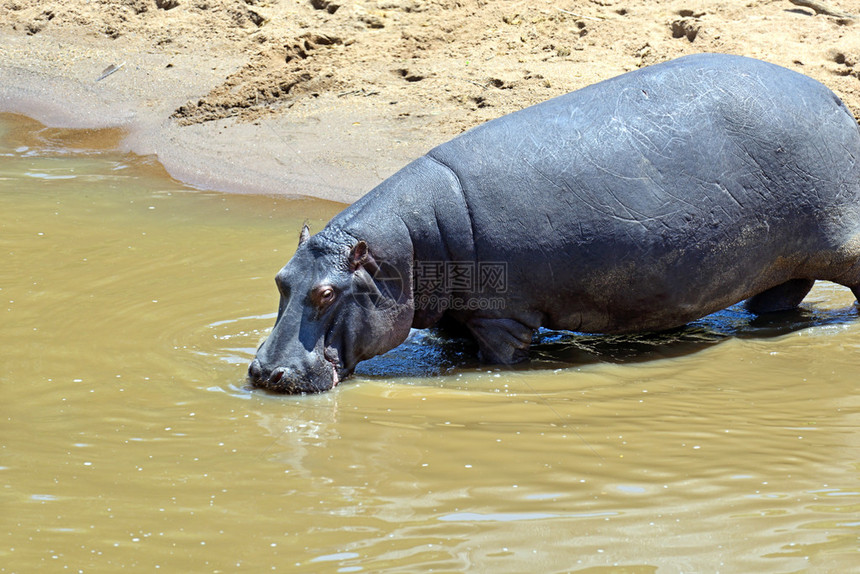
637,204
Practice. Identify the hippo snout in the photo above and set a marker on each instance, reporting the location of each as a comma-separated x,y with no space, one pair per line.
277,379
289,380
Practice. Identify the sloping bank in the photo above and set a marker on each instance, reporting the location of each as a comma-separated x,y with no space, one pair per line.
333,150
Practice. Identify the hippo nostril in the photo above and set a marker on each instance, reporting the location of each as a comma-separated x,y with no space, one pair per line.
255,370
276,376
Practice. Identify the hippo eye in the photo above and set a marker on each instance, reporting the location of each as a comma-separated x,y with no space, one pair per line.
323,296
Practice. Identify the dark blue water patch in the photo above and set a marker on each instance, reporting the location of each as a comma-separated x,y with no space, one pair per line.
425,353
428,353
570,348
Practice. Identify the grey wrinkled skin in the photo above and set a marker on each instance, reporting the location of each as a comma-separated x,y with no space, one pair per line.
637,204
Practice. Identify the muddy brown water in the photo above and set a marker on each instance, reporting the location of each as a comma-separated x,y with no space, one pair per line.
131,305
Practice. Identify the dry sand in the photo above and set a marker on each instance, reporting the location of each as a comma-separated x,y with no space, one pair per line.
328,97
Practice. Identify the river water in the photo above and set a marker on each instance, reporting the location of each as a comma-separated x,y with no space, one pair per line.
131,305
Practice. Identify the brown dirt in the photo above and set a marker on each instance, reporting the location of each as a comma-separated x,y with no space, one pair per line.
327,97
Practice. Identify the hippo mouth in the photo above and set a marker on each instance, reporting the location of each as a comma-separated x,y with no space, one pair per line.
338,373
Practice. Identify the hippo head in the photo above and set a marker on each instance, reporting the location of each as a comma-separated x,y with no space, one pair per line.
339,305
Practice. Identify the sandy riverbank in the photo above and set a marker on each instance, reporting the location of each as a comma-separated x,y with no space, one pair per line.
327,97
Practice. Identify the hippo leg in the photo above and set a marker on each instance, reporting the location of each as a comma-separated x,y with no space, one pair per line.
504,341
851,279
783,297
856,291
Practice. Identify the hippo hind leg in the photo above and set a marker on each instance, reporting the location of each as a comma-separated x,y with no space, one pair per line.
501,341
784,297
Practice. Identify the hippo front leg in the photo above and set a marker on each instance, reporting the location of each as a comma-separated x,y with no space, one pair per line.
504,341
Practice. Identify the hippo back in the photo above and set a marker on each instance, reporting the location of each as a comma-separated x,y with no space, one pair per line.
660,188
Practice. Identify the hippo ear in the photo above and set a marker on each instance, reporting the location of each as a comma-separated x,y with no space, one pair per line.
359,256
304,235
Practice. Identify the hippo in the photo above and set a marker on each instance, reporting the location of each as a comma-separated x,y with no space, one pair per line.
637,204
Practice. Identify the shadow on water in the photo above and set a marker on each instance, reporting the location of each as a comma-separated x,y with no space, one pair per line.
432,352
